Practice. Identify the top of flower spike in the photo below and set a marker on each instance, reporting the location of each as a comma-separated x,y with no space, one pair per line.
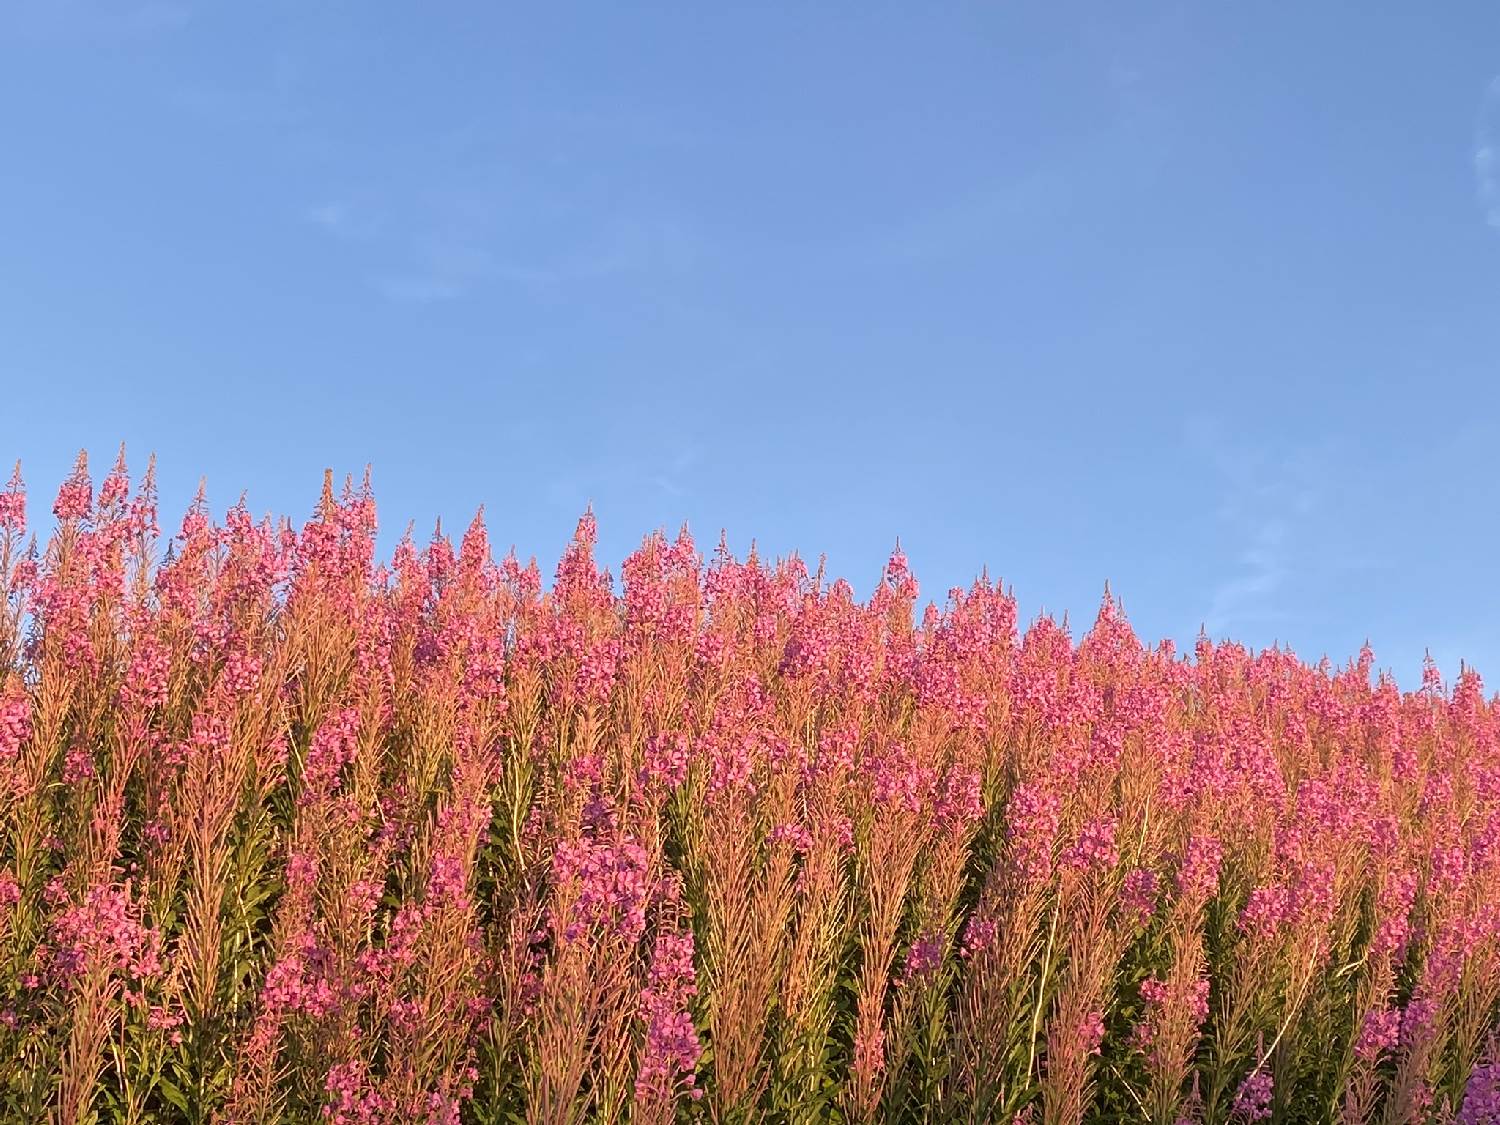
75,499
13,504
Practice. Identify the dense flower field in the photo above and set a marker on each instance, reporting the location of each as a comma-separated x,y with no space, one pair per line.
290,835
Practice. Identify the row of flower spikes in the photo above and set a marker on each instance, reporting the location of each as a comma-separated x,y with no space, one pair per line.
288,833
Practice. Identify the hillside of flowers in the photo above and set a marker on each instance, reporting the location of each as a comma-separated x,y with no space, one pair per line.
288,833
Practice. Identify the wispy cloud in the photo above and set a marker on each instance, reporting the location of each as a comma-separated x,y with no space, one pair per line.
1250,594
620,480
62,19
960,225
434,271
1487,153
624,247
335,217
614,124
1267,499
462,207
271,99
416,290
1122,150
443,268
160,16
672,479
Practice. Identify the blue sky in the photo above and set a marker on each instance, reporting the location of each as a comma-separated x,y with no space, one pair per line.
1199,298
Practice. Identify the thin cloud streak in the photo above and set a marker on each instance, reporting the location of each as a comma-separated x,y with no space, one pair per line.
441,270
1267,499
1247,596
90,19
416,290
1487,154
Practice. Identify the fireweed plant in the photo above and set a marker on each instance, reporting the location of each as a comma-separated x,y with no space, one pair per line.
290,835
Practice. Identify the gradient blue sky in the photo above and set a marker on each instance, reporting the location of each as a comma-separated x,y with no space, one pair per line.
1200,298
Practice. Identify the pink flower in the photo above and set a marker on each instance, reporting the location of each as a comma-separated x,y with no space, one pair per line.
1380,1032
448,881
959,803
1481,1101
105,931
1095,849
1031,822
13,506
352,1099
1158,997
78,765
75,499
979,935
925,955
1198,875
15,724
302,869
159,1019
666,761
1252,1102
1266,911
671,1049
332,748
1091,1032
611,885
795,834
1138,895
899,780
1417,1019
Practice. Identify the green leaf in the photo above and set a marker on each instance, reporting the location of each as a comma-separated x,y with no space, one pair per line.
173,1094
